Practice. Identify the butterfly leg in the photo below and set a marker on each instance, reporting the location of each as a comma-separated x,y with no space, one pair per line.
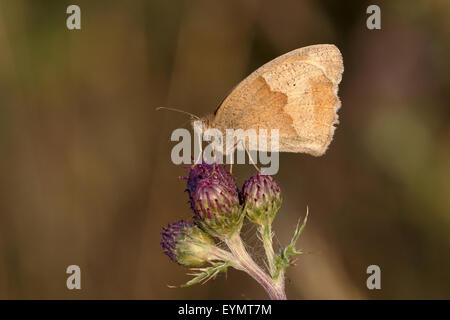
250,157
232,153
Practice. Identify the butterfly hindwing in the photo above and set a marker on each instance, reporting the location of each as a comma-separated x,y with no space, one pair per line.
295,93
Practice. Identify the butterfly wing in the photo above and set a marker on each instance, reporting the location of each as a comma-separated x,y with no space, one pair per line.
295,93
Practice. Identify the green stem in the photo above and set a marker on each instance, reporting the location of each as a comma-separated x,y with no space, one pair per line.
219,254
243,261
266,236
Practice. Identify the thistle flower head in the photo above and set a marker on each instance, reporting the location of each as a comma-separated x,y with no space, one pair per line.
216,207
186,244
205,170
214,198
261,197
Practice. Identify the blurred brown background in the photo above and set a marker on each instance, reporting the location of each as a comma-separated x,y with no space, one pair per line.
86,175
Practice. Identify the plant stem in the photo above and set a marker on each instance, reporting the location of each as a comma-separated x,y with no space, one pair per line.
219,254
243,261
266,236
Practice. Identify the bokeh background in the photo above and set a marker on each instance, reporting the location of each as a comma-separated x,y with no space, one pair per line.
86,175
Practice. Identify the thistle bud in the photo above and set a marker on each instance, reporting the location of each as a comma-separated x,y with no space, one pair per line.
261,197
216,206
186,244
213,172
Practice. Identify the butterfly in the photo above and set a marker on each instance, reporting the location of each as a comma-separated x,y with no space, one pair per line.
295,93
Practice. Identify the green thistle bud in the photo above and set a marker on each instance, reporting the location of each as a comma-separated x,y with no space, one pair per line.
217,208
261,197
186,244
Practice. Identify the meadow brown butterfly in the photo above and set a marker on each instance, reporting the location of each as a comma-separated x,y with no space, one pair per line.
295,93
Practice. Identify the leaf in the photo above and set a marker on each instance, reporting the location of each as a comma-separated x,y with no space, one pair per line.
290,249
203,275
282,261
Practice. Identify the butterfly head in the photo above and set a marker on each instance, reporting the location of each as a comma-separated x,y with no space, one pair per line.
206,122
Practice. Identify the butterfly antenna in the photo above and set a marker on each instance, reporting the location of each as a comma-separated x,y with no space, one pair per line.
178,110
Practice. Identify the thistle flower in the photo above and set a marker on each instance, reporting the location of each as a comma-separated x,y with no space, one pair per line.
261,197
186,244
214,198
219,210
204,170
216,207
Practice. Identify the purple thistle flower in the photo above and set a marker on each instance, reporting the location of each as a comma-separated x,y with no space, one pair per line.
205,170
214,198
171,234
213,172
186,244
261,196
